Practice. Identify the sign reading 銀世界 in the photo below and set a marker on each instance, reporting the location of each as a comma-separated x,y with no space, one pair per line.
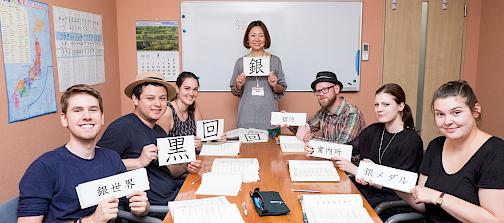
93,192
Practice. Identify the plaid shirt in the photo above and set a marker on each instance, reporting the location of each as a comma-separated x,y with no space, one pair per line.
341,127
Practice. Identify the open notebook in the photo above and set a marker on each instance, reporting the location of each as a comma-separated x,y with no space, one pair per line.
334,208
208,210
312,170
291,144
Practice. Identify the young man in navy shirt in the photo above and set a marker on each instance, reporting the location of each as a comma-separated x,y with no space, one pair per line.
134,136
47,189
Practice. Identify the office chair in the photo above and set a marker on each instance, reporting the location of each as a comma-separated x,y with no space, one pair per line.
127,216
408,216
8,211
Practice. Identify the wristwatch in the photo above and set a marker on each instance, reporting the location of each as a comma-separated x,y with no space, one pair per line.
439,200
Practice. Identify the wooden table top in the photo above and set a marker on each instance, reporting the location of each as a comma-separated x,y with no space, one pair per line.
274,176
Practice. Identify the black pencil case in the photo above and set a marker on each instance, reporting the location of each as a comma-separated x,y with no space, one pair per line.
268,203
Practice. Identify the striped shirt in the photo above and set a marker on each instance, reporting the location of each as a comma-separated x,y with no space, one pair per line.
341,127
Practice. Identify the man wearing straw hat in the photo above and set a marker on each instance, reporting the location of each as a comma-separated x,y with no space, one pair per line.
134,135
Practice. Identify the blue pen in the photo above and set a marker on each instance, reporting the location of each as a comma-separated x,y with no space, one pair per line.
305,219
257,202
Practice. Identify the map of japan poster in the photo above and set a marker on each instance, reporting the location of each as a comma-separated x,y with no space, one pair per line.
27,54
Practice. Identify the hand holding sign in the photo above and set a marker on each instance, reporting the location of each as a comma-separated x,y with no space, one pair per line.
272,79
106,210
138,202
149,153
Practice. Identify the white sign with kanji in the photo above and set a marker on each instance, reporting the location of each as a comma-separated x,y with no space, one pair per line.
174,150
327,150
286,118
209,130
93,192
256,66
385,176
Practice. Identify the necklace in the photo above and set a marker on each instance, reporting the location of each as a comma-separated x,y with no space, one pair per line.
180,111
380,153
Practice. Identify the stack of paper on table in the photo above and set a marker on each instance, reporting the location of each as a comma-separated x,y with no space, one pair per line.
312,170
248,135
291,144
210,210
248,168
230,148
219,184
335,208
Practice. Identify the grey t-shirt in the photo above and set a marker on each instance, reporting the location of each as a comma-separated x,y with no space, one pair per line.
255,111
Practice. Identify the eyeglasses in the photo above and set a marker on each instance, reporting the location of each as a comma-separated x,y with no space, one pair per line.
322,91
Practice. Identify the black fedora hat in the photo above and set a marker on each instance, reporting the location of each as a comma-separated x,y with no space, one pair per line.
326,76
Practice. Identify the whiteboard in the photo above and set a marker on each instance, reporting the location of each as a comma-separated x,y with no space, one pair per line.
307,36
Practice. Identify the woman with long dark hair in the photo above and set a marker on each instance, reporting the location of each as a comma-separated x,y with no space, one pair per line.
392,142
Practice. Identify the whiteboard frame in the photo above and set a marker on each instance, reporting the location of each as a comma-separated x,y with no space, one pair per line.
306,87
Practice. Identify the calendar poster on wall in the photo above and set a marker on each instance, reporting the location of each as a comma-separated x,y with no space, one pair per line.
157,47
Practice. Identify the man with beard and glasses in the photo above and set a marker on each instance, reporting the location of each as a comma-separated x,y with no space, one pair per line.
338,121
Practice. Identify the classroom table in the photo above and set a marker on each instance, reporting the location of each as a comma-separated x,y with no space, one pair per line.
274,176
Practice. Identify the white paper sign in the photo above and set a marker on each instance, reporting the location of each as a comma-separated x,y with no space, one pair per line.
290,119
174,150
209,129
256,66
392,178
327,150
93,192
253,137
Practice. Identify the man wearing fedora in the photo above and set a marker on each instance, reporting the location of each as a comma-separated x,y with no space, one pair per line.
134,136
337,120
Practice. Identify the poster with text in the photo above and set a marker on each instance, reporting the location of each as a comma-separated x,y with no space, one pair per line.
79,47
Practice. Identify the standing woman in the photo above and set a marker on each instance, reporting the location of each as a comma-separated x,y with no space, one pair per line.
254,110
392,142
462,174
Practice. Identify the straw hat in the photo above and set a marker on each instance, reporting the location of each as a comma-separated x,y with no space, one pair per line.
150,77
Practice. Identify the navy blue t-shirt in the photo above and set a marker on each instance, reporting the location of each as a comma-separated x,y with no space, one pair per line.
128,135
48,185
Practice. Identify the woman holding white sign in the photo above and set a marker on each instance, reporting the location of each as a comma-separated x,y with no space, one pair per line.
258,89
183,112
462,174
392,142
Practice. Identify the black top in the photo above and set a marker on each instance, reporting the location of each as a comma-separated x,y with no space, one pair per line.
485,169
182,128
404,152
128,135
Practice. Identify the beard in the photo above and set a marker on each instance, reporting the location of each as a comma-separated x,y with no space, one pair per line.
328,102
